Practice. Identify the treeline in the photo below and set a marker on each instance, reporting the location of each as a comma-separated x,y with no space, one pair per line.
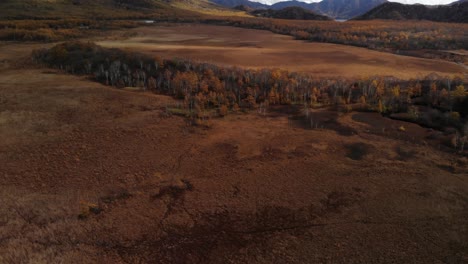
378,34
204,86
66,29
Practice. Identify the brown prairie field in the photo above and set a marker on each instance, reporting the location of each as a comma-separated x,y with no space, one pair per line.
262,49
93,174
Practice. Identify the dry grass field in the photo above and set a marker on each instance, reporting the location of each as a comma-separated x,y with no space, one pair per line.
262,49
93,174
250,189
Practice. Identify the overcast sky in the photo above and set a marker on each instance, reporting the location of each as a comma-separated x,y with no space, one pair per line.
426,2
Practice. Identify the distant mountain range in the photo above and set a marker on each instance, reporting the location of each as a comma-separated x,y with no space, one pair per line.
459,2
455,12
337,9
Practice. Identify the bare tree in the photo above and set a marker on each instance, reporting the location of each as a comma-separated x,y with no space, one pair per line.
462,138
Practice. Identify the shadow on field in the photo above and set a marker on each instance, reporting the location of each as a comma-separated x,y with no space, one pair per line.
299,117
358,151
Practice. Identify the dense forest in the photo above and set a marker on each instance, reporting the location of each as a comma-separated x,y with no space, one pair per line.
434,101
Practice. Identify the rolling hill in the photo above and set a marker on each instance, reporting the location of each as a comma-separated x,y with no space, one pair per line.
459,2
290,3
292,12
100,9
345,9
456,12
338,9
235,3
109,9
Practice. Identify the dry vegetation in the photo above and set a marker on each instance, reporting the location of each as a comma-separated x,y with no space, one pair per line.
115,156
422,39
111,178
90,9
401,37
57,30
434,102
249,48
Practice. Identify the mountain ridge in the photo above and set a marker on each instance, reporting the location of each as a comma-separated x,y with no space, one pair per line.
337,9
454,12
235,3
291,12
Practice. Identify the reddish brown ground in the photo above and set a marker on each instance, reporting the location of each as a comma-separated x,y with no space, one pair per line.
263,49
251,189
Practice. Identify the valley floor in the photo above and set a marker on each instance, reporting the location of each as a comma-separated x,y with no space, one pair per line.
253,188
92,174
252,48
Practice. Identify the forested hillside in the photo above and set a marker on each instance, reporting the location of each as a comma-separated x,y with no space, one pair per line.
457,12
292,12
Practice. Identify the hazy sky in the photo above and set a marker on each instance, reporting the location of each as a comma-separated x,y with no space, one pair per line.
425,2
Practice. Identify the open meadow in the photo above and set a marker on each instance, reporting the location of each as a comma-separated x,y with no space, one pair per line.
262,49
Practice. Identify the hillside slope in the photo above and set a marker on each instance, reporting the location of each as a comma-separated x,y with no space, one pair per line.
99,9
235,3
108,9
457,12
339,9
347,9
293,12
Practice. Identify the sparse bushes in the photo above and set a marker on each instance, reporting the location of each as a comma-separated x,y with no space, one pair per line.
436,119
461,139
405,153
206,87
413,113
223,110
87,208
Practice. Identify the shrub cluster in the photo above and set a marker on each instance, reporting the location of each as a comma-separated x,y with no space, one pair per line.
206,86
